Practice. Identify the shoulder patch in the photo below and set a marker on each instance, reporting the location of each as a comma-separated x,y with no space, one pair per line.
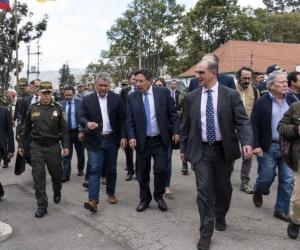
58,104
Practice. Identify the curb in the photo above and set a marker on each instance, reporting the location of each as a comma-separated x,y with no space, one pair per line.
5,231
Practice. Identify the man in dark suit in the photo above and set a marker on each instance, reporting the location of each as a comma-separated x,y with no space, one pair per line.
103,114
224,80
209,141
128,151
7,146
266,114
152,121
22,112
71,107
174,93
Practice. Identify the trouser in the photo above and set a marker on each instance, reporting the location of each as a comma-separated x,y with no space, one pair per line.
245,171
212,169
129,159
27,154
153,147
40,156
295,200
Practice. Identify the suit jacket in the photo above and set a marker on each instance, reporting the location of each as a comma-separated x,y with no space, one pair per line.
231,115
166,116
24,107
6,132
177,92
77,103
261,118
225,80
90,111
124,94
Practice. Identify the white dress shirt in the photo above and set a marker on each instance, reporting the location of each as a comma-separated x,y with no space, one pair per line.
33,100
105,119
214,93
154,126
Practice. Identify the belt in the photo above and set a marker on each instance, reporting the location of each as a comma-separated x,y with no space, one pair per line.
107,135
45,142
212,144
152,137
73,130
275,141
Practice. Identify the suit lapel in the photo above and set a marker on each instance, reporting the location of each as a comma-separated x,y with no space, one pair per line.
220,99
156,99
108,103
96,101
197,108
140,102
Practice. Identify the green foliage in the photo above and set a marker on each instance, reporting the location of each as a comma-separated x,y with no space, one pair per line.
160,20
280,6
66,78
26,33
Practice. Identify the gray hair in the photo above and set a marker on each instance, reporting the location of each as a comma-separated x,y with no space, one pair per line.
273,76
104,76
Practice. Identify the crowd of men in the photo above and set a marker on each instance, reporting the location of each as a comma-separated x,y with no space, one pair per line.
220,121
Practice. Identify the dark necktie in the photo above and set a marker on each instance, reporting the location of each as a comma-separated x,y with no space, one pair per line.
173,96
210,121
147,111
134,88
69,116
36,98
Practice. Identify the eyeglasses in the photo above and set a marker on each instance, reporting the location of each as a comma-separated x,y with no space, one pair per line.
246,78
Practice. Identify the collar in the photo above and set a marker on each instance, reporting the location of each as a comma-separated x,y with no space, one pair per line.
273,98
150,91
99,97
213,89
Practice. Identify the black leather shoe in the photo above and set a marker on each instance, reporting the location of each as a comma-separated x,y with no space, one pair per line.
1,191
184,169
56,198
293,230
142,206
40,212
162,205
65,179
80,173
204,243
129,176
257,199
220,225
5,166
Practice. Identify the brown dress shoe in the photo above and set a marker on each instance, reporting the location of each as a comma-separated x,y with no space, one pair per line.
257,199
282,216
91,205
112,199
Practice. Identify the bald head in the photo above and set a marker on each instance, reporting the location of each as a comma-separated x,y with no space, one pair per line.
206,73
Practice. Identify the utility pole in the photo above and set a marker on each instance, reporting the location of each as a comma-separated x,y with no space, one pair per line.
17,42
140,40
38,62
28,62
251,56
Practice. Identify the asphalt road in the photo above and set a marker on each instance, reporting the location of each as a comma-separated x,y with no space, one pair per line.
118,226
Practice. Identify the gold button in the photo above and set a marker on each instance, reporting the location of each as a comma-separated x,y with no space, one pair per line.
100,133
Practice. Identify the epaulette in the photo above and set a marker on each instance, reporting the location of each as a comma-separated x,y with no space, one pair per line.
57,103
35,103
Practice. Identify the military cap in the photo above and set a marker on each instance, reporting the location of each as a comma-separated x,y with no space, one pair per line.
23,83
124,82
274,67
79,84
46,86
61,87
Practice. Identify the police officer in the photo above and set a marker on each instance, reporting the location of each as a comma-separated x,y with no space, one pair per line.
47,123
61,96
24,92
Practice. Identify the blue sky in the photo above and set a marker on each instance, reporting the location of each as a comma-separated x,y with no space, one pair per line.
77,29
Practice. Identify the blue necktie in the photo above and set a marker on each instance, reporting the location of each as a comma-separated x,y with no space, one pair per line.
134,88
69,116
210,121
147,111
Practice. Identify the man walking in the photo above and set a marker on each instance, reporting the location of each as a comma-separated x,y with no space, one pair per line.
47,124
71,107
267,112
151,121
210,116
102,113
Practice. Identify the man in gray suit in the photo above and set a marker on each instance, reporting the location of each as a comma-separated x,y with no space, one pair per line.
208,140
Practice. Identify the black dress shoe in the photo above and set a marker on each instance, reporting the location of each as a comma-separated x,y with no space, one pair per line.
282,216
129,176
80,173
5,166
257,199
1,191
142,206
220,225
56,198
204,243
162,205
65,179
293,230
40,212
184,169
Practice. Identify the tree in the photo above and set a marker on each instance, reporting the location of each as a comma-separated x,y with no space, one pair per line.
27,33
210,24
280,6
66,78
157,20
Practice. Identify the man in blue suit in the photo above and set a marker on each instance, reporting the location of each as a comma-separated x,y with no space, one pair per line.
222,79
152,121
71,107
